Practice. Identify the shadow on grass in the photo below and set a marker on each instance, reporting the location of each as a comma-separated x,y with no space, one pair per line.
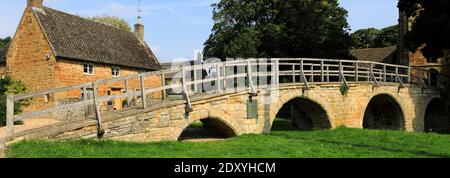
283,125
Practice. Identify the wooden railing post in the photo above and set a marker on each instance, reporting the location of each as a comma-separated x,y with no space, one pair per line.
322,72
127,90
409,75
219,87
143,95
163,92
302,73
196,88
9,117
185,91
384,74
341,74
100,130
224,79
277,71
85,94
250,79
328,73
293,73
356,71
397,78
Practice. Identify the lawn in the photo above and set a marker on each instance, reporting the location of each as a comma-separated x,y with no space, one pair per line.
281,143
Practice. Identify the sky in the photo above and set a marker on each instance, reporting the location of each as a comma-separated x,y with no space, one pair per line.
175,28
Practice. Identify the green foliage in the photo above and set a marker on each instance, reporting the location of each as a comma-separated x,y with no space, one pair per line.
344,89
113,21
4,41
365,38
339,143
374,38
431,26
274,28
387,37
7,85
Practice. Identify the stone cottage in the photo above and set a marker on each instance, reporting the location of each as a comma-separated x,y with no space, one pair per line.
437,67
52,49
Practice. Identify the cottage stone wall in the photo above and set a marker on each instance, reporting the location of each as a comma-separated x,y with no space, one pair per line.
31,60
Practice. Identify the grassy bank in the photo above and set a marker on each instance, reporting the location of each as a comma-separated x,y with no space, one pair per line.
341,142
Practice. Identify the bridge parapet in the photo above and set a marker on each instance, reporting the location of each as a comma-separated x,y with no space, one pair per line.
252,75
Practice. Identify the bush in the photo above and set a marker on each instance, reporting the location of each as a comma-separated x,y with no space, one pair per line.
8,85
344,89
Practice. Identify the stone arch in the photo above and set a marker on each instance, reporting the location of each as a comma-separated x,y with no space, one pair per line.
384,112
312,101
436,118
219,123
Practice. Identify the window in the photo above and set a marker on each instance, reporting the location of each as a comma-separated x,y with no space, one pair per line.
88,69
115,71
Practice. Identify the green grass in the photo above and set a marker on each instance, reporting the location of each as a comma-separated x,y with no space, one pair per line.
338,143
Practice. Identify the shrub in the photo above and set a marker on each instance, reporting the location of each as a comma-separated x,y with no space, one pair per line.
8,85
344,89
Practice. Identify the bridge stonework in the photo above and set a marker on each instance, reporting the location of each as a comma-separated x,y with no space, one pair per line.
167,121
379,96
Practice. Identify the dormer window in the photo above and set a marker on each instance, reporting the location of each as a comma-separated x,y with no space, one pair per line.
88,69
115,71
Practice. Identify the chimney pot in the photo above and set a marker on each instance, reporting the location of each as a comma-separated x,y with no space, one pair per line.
35,3
139,29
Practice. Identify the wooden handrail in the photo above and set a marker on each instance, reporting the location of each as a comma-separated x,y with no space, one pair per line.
317,70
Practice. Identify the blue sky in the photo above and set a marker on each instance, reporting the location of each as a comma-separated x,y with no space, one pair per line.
175,28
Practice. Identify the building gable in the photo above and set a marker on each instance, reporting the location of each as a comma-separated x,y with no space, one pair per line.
76,38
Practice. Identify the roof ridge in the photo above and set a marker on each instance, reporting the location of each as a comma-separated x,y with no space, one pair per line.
83,18
78,38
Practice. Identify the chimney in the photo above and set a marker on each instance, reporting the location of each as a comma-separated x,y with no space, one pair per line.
139,29
35,3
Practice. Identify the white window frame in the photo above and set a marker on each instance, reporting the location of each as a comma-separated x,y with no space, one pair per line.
88,66
117,70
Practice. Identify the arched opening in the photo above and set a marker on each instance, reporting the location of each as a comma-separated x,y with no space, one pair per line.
434,74
301,114
207,129
383,113
437,117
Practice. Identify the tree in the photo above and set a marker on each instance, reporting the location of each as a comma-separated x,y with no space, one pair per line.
365,38
8,85
4,41
374,38
387,37
431,26
113,21
275,28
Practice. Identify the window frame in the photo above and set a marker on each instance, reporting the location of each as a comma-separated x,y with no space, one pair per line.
115,72
88,67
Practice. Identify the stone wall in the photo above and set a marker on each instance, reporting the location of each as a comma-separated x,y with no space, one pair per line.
30,58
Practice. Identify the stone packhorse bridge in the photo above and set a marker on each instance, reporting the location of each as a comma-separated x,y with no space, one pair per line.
245,96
